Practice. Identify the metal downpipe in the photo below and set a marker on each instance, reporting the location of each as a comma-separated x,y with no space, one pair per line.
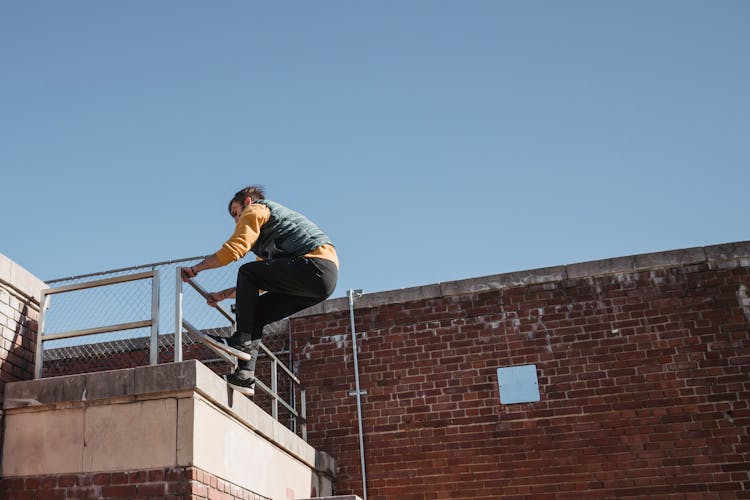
351,293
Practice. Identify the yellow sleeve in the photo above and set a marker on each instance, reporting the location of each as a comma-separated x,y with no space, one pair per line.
245,233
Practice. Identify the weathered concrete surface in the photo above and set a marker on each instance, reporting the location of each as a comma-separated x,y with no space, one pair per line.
341,497
179,414
19,317
723,255
15,276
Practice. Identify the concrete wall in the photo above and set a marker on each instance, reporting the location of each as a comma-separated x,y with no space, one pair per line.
643,366
19,316
175,428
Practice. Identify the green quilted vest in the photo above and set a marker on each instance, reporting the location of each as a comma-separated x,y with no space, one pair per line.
287,234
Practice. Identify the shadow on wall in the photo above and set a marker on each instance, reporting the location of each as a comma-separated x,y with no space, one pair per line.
17,362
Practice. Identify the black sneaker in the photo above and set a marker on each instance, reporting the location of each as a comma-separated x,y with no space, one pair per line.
244,386
238,340
218,333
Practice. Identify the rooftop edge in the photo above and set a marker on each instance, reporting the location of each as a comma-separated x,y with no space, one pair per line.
739,251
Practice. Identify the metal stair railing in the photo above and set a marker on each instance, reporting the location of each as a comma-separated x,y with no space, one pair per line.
298,417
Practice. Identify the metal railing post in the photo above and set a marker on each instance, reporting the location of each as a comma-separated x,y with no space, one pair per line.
39,355
154,344
303,412
275,387
178,316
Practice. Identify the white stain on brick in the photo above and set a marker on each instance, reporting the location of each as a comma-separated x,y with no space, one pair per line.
539,326
339,340
600,297
516,325
342,341
655,279
744,301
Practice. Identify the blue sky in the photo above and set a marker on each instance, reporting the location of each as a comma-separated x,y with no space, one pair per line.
432,140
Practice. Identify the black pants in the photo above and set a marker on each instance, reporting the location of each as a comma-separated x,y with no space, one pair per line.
291,284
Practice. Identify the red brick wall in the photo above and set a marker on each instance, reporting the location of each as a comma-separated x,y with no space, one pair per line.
19,314
644,382
121,359
172,483
643,378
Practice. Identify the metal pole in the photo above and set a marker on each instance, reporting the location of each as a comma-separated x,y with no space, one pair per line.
39,355
359,393
303,411
178,317
275,388
154,345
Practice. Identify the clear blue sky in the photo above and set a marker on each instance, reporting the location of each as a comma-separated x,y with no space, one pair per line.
432,140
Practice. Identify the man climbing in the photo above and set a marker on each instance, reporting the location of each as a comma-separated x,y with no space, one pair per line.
297,267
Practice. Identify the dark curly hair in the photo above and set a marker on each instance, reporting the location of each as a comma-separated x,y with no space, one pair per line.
254,192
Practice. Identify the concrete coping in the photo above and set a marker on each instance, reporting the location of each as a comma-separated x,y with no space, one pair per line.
148,382
21,280
738,251
340,497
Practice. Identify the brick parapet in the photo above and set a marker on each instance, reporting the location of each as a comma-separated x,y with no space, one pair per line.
726,254
19,316
644,375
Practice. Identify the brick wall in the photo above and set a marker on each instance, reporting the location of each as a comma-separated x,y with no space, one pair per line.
19,313
190,483
643,367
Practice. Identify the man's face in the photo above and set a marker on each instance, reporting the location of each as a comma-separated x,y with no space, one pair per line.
236,209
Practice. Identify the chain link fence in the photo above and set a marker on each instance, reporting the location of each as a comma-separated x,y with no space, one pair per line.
131,302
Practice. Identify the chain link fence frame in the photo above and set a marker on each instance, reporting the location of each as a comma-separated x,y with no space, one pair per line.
129,302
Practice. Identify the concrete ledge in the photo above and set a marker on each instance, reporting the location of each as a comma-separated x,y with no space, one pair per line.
18,278
727,251
497,281
672,258
726,255
182,413
342,497
146,382
89,387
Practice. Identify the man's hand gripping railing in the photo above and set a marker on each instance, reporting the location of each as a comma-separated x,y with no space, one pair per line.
182,322
206,295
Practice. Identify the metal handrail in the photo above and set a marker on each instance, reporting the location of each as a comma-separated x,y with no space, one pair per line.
153,322
124,269
203,293
195,331
297,416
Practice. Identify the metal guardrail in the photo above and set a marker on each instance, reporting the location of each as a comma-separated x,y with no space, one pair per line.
153,322
120,303
298,417
72,339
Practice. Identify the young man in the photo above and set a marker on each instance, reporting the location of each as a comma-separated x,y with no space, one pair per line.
297,267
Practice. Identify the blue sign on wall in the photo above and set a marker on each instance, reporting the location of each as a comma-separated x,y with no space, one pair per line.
518,384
